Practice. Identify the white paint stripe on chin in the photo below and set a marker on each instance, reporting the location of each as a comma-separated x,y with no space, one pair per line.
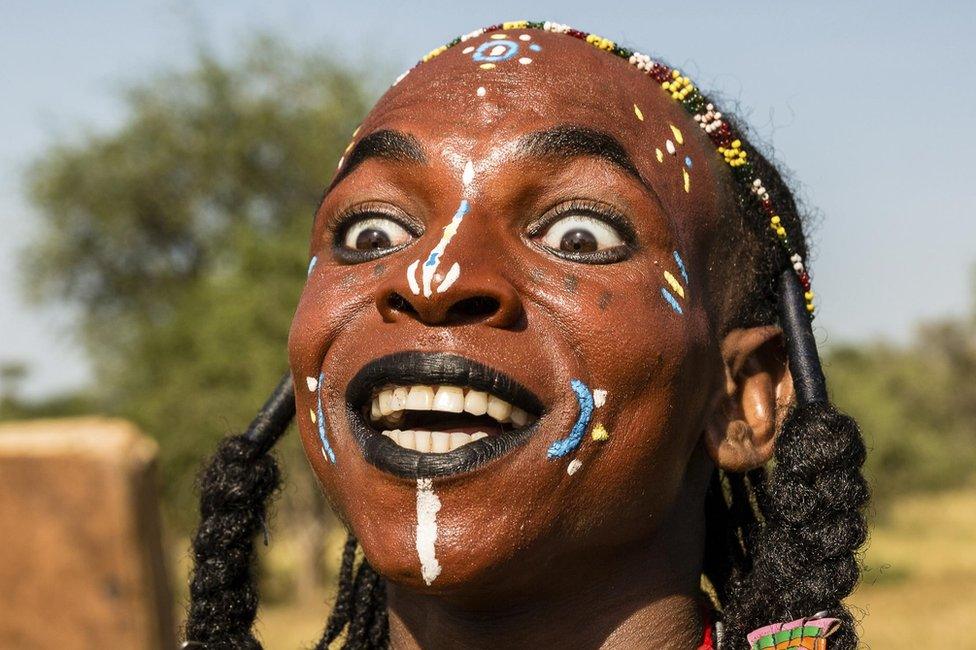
428,505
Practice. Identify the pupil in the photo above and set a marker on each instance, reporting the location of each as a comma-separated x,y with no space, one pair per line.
578,241
371,239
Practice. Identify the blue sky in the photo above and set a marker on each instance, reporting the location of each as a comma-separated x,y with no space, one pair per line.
868,104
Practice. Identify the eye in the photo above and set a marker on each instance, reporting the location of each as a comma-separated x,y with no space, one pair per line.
579,235
374,235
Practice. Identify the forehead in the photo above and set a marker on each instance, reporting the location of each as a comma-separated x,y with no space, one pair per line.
477,98
513,81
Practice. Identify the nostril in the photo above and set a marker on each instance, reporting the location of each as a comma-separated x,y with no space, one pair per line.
396,302
474,308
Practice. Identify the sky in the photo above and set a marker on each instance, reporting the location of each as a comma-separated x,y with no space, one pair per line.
868,105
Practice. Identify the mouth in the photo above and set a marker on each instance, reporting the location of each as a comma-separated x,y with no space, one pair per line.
422,415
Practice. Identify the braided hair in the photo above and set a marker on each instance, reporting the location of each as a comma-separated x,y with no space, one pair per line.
780,542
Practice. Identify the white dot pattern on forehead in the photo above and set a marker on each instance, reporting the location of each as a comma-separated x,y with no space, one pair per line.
481,91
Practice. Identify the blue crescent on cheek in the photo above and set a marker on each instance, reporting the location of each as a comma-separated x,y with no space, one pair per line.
568,444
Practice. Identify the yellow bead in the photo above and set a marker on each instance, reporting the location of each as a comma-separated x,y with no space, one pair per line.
736,144
775,220
810,308
808,295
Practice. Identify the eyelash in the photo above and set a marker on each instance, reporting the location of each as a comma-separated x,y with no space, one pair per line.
345,219
595,210
582,207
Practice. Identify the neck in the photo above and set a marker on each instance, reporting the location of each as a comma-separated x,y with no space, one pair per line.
647,595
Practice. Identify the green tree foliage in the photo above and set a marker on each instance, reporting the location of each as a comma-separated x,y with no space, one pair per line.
916,404
182,237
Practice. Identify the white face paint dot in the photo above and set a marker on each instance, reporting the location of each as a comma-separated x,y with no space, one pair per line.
599,397
670,147
525,37
525,60
468,174
312,383
468,50
573,466
481,91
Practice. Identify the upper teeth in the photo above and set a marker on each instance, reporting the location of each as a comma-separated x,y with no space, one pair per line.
390,403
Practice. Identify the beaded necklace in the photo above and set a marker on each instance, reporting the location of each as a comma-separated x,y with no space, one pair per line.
680,88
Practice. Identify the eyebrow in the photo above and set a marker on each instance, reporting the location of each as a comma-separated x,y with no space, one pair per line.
571,141
385,143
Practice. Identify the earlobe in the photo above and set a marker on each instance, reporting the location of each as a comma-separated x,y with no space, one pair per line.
741,431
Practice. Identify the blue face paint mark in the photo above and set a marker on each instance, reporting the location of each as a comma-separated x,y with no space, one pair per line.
311,265
681,266
535,48
320,420
688,161
449,232
585,398
488,53
671,300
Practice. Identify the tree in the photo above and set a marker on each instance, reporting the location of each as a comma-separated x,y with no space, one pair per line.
182,236
916,404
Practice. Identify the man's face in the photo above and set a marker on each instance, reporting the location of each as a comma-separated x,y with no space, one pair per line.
504,338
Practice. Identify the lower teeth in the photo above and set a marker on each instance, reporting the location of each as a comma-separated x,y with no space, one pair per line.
436,442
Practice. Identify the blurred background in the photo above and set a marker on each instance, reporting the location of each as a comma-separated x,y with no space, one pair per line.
160,163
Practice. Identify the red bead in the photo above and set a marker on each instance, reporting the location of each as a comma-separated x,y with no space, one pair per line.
660,73
577,33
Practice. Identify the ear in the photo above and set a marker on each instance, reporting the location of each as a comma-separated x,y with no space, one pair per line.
740,433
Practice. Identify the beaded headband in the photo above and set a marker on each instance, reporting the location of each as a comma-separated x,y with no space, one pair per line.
680,88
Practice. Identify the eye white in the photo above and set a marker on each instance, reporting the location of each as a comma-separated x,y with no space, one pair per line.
606,236
395,233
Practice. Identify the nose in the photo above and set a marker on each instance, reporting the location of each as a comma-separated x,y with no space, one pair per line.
477,296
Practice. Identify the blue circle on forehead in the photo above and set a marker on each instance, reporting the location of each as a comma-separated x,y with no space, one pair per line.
481,54
535,48
688,161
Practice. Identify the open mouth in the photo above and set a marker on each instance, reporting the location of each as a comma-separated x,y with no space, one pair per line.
420,415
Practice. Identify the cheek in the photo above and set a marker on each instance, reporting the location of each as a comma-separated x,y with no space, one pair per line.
657,369
332,298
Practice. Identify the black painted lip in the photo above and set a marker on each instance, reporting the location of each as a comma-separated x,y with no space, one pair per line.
416,367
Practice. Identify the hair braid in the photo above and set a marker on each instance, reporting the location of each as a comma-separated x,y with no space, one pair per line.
360,606
235,488
234,491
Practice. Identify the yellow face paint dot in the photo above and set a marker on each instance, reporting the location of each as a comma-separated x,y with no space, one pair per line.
311,414
659,155
678,289
637,112
487,66
680,139
498,37
687,180
600,433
